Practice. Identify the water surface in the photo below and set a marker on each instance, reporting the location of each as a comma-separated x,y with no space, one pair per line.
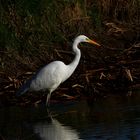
112,118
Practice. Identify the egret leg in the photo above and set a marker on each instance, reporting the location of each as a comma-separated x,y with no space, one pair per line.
48,99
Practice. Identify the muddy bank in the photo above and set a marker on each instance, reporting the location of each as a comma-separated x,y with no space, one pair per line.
111,69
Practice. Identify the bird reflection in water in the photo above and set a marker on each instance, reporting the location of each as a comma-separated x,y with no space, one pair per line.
54,130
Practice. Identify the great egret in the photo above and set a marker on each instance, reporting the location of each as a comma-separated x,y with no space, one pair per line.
52,75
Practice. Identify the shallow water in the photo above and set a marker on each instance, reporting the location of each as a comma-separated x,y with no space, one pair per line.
112,118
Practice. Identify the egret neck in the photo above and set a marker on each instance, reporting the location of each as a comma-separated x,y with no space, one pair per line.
72,66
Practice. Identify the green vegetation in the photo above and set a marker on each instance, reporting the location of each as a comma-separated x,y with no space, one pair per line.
31,28
35,32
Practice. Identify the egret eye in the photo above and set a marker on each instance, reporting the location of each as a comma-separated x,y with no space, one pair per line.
87,39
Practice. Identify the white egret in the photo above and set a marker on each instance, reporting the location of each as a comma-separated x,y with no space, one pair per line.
52,75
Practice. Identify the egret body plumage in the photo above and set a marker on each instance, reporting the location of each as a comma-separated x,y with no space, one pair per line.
52,75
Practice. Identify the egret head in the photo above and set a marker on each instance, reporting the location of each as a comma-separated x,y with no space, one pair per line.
83,38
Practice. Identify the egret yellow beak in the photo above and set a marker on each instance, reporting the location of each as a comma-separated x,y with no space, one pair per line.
93,42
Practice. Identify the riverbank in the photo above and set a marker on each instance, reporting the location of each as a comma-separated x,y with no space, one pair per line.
113,68
31,39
